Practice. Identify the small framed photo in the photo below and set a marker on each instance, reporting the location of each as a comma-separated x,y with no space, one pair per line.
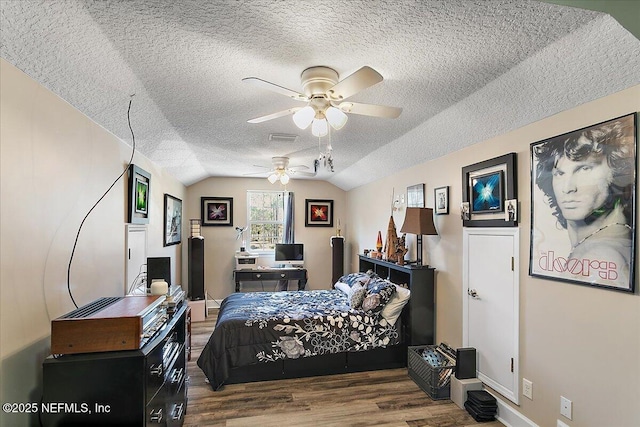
415,196
318,213
139,182
464,211
441,198
511,210
216,211
172,220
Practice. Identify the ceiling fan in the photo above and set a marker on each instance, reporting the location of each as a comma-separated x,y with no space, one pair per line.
325,96
280,170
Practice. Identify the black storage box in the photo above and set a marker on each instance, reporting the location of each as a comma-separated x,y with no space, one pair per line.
430,370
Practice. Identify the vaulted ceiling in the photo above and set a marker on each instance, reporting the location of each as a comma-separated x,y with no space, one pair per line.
462,71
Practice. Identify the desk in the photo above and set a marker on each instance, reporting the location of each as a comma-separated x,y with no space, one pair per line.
299,274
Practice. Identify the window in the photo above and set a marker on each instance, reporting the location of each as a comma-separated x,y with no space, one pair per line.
265,217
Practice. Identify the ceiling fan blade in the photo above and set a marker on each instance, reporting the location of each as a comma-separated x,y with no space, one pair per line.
299,167
275,88
354,83
274,115
370,110
256,173
303,173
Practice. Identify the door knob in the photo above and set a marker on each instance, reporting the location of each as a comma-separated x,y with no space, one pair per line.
472,293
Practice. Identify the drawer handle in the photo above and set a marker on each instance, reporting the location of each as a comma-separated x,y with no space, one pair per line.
177,411
156,416
177,375
156,370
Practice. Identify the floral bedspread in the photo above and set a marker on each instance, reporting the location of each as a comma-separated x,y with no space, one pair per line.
268,326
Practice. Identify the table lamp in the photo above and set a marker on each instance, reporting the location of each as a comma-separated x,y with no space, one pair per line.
419,221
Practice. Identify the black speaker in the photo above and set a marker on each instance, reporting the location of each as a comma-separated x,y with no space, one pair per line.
158,268
465,363
337,258
196,268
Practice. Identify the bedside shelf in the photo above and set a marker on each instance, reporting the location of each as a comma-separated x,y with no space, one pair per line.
421,319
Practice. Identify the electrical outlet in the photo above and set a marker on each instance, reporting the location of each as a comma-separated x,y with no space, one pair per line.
527,388
565,407
561,424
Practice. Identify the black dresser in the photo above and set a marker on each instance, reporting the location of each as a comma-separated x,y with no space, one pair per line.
421,317
146,387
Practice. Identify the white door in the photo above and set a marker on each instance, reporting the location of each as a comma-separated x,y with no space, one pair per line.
135,259
490,305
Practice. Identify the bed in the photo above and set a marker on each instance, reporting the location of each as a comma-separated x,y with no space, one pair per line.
259,336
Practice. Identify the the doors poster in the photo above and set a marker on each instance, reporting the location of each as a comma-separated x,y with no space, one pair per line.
583,198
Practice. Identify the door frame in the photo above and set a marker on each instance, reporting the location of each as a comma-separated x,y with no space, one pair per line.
512,395
128,267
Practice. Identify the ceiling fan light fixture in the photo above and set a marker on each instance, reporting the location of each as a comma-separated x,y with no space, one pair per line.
319,127
273,178
303,118
336,118
284,179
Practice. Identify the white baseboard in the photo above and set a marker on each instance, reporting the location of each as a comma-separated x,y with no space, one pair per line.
508,415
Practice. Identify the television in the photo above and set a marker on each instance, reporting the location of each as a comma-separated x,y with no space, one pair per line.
289,253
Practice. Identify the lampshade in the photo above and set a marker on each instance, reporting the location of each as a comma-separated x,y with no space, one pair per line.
284,178
273,178
319,127
336,118
303,118
419,221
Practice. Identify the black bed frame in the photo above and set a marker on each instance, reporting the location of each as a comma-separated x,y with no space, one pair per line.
329,364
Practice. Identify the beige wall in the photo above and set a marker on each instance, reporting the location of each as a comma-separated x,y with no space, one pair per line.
221,244
56,163
576,341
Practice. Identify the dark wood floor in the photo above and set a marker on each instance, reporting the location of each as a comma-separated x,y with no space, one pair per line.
380,398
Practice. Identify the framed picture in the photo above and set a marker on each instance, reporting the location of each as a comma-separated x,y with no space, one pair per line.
217,211
485,186
486,193
172,220
318,213
139,182
511,210
415,196
464,211
441,200
583,205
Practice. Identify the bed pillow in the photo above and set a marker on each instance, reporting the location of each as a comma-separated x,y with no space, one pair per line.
394,307
353,278
342,287
356,295
378,294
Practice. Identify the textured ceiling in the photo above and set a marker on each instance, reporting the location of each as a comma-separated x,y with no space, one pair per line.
462,70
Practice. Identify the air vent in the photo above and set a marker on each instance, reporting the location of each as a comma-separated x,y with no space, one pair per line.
92,308
283,137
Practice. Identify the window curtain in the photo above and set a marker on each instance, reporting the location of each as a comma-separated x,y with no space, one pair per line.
287,235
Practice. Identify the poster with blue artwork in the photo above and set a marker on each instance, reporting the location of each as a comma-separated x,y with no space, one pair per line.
486,193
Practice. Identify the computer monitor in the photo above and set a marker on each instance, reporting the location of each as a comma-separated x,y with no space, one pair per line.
289,253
